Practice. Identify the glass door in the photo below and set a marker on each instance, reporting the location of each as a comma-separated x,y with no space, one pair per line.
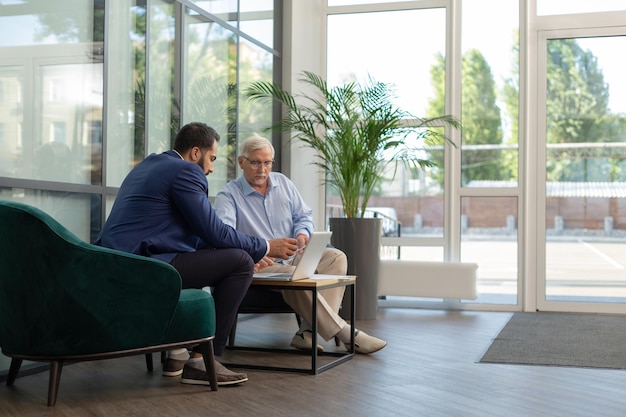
582,159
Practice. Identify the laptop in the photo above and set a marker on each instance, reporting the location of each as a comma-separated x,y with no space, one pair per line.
306,263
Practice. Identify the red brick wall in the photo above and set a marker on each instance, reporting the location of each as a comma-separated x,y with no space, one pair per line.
577,213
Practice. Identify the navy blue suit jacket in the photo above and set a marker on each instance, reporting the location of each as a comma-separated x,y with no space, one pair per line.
163,209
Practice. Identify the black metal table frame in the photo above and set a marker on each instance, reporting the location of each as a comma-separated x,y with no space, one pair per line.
314,369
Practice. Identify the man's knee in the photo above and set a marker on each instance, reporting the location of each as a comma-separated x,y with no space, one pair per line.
334,262
240,258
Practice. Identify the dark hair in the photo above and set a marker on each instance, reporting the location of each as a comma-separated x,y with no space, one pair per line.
195,134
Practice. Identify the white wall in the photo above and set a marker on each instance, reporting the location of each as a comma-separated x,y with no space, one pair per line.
304,45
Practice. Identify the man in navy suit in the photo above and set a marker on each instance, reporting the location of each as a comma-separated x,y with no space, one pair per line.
162,211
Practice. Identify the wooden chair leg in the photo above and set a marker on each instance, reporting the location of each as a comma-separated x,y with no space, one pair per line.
53,385
13,371
149,363
206,349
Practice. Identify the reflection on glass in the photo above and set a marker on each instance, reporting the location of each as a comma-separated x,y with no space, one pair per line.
209,74
256,19
261,30
29,24
69,145
256,5
585,170
489,239
52,96
163,108
125,90
80,213
11,119
223,9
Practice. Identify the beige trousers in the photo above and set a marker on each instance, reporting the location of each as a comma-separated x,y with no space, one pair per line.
329,323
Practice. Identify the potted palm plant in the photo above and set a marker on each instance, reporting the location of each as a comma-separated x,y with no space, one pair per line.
358,135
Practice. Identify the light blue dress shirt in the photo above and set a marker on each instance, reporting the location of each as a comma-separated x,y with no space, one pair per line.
280,213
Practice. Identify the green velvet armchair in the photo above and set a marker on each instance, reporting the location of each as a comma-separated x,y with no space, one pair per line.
64,300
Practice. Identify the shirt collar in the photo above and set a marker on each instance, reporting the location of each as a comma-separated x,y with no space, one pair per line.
247,188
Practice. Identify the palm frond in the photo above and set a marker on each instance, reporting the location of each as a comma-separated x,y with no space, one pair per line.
356,131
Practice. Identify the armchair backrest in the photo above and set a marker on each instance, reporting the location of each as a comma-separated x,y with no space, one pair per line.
61,295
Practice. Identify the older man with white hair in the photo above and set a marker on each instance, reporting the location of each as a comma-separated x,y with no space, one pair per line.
268,205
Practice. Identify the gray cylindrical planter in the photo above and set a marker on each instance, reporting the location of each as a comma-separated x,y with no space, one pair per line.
359,239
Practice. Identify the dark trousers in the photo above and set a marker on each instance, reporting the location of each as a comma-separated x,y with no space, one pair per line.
228,272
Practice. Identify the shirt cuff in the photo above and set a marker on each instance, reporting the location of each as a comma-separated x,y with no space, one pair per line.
267,251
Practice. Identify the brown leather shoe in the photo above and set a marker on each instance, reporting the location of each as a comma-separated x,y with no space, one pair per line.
225,376
173,367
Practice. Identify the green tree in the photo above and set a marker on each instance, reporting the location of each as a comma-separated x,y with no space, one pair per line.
577,112
480,118
576,108
577,95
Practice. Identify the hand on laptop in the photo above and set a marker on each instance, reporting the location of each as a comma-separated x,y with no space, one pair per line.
283,248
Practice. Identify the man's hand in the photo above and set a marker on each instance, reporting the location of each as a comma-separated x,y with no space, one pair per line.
263,263
283,248
303,240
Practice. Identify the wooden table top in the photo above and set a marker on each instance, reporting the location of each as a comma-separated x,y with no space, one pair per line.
328,280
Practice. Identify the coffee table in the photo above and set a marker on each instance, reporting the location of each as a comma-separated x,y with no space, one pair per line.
313,285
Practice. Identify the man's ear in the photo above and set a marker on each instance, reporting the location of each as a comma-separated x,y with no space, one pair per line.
194,154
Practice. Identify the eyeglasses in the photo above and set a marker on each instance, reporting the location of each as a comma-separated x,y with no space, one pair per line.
257,164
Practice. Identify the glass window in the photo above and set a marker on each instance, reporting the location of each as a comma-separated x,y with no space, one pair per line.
354,2
225,10
30,24
11,118
411,198
125,124
163,107
209,85
52,132
257,20
261,28
489,239
255,64
64,149
390,58
554,7
47,121
490,94
585,170
80,213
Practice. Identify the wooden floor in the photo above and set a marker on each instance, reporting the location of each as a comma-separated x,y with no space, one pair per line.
430,368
